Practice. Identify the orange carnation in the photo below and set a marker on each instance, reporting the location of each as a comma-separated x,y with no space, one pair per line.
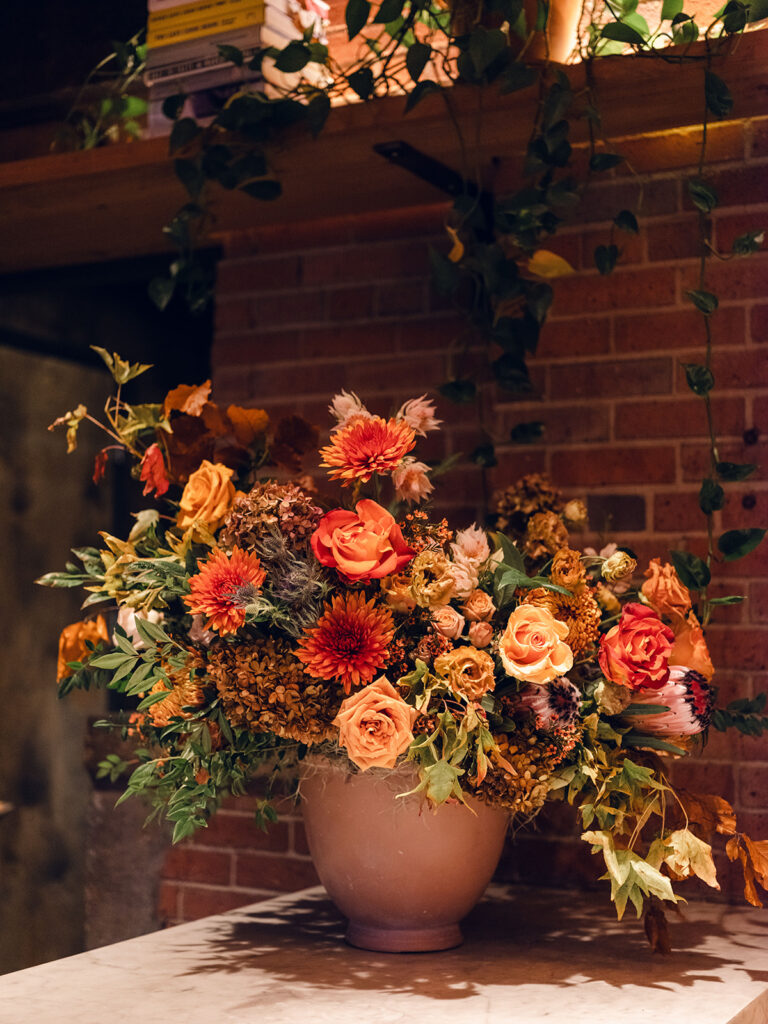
665,592
72,643
224,587
363,545
690,648
375,725
367,446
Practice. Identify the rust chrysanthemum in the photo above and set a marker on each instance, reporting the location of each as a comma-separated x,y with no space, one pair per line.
365,447
224,587
350,642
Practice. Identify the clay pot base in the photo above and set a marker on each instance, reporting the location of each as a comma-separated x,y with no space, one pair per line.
404,940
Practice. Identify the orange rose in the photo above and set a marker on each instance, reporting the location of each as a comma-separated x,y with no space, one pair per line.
635,653
363,545
207,497
375,725
72,643
690,648
479,606
531,646
664,591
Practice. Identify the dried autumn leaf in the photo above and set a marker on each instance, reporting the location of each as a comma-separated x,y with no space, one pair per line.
754,862
293,438
690,856
711,812
72,420
457,250
188,398
153,472
247,424
548,264
100,465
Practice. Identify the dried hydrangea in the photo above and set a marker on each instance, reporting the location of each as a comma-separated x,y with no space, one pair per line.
285,507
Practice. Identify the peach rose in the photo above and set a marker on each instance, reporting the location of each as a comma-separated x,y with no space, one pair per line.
207,497
664,591
480,633
375,725
448,621
362,545
72,643
467,671
531,646
479,606
690,648
635,653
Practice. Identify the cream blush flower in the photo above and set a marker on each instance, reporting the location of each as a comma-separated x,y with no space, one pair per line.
471,547
346,406
419,414
532,646
411,480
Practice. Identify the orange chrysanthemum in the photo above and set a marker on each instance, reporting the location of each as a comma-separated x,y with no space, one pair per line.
365,447
350,641
224,587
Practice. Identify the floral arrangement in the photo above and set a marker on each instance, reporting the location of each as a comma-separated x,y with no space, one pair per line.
258,619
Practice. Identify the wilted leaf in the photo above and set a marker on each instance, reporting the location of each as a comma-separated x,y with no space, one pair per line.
153,473
188,398
754,861
247,423
294,437
691,856
548,264
100,465
457,250
711,812
72,420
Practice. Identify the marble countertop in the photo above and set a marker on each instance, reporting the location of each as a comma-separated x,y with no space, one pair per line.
529,956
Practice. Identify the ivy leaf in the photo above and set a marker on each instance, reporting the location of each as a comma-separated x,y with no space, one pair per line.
518,76
182,133
693,572
604,161
417,94
266,189
606,257
484,455
462,392
191,175
485,45
746,244
231,53
699,378
711,496
293,57
173,106
717,95
622,33
627,221
526,433
670,8
705,302
389,11
356,15
758,11
416,59
160,291
734,470
737,543
703,197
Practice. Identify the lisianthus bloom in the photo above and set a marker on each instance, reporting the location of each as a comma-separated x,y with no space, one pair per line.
224,587
350,641
375,725
468,671
346,406
690,648
619,566
636,652
665,592
153,472
431,579
532,646
72,643
470,547
411,480
448,621
419,414
464,580
397,592
366,446
688,699
207,496
556,706
363,545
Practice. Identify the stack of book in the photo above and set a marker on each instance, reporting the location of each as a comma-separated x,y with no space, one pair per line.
183,57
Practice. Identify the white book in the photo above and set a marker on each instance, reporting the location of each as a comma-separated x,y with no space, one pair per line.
201,56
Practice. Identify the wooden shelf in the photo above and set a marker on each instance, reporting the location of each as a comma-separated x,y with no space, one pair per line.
111,203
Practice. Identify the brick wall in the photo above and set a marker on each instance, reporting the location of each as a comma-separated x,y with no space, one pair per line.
307,309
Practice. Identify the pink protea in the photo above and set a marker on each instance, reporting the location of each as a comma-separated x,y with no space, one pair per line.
419,414
688,698
555,707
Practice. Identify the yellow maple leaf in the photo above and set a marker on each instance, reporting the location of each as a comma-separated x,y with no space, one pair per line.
544,263
690,856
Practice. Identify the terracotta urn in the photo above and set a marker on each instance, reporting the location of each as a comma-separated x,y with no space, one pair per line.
404,874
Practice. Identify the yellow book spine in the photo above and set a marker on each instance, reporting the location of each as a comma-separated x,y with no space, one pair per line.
253,15
194,12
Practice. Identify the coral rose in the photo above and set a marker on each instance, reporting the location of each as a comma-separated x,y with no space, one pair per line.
480,633
207,497
636,652
363,545
532,648
467,671
448,621
375,725
479,606
690,648
664,591
72,643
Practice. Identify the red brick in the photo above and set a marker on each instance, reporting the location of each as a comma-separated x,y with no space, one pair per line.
299,378
680,328
631,247
742,278
674,240
754,824
734,613
585,336
241,831
758,602
738,647
300,307
594,293
512,465
600,466
604,199
168,903
609,379
704,776
746,506
347,341
413,222
759,325
563,424
231,316
197,902
434,332
736,186
758,130
677,512
285,874
739,368
695,458
257,274
678,418
753,786
681,148
189,863
253,348
730,226
384,375
405,298
354,303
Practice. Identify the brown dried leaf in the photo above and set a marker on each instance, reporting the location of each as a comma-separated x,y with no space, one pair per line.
188,398
247,424
293,438
657,928
712,813
753,855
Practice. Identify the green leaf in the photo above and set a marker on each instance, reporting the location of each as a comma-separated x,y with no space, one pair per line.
729,599
485,45
356,15
113,660
700,378
604,161
711,496
758,11
670,8
734,470
717,95
416,59
605,258
637,739
627,221
526,433
748,243
389,11
462,392
267,189
513,558
190,174
705,302
293,57
417,94
518,76
231,53
693,572
361,82
703,197
737,543
484,455
622,33
182,133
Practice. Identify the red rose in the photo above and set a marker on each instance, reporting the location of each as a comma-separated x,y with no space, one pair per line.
635,653
363,545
